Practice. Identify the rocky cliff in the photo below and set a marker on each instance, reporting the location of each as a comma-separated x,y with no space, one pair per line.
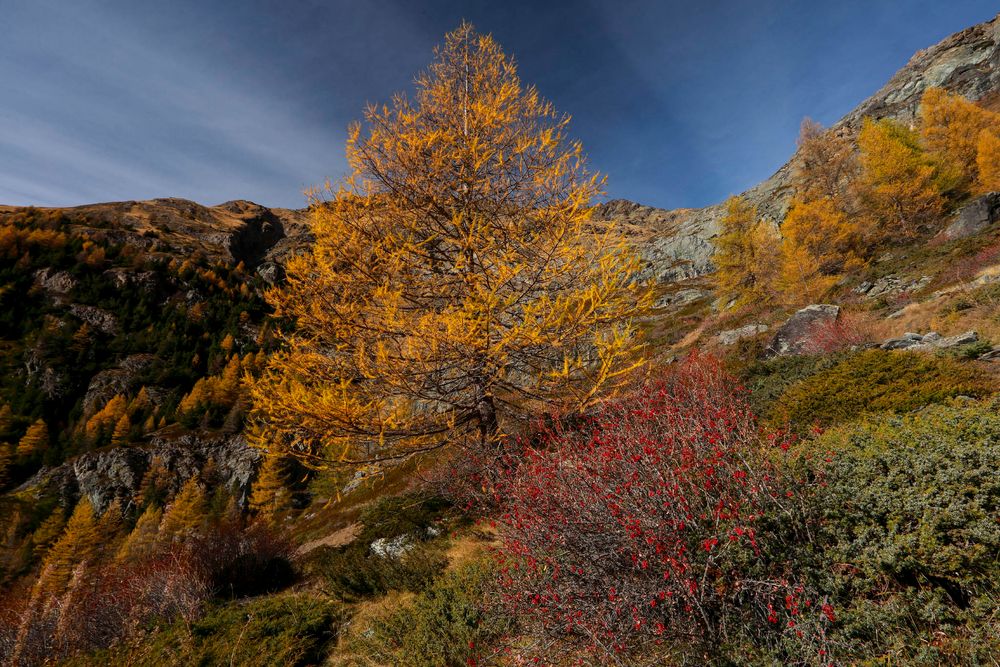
676,244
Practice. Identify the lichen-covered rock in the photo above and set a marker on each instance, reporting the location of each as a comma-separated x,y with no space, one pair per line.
733,336
102,476
100,319
929,341
121,380
797,332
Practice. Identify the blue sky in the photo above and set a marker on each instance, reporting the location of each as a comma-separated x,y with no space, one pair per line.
679,103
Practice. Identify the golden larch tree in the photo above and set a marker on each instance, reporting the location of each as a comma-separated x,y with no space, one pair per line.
142,540
950,127
270,497
988,161
187,514
746,253
825,165
899,182
456,282
818,243
79,543
35,440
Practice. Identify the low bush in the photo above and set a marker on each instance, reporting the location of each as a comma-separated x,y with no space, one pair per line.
767,379
907,508
395,550
277,630
658,522
444,626
876,381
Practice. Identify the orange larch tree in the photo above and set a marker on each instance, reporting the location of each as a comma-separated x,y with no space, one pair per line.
456,282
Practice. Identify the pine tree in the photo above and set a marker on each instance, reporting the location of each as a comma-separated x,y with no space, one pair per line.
34,442
79,543
456,283
270,498
142,542
827,234
187,514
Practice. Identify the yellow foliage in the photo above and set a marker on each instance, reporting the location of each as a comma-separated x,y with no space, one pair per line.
826,164
142,541
187,514
35,440
455,282
899,182
988,161
951,127
120,435
801,279
270,498
105,419
79,542
819,228
746,254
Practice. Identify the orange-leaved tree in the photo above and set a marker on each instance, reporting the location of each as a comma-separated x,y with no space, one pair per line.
900,184
951,127
456,281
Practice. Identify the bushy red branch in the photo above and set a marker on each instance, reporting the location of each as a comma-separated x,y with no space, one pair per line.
653,521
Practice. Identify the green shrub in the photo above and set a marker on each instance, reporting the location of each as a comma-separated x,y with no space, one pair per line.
767,379
276,630
444,626
356,571
909,534
876,381
353,572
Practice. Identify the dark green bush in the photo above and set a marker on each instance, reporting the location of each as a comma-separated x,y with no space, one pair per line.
767,379
356,571
876,381
444,626
278,630
909,534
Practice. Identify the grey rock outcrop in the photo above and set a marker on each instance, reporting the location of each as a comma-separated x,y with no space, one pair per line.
733,336
974,217
102,476
121,380
676,244
100,319
930,341
794,336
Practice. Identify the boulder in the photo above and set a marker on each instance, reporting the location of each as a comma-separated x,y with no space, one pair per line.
732,336
929,341
974,217
794,335
680,298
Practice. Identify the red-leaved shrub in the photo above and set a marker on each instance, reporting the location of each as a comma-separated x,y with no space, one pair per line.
659,519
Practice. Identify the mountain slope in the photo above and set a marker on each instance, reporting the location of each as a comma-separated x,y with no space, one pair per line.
967,63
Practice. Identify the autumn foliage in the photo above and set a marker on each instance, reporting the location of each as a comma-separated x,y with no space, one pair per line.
455,283
654,522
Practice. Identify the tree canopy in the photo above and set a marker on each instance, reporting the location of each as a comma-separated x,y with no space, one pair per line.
456,279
